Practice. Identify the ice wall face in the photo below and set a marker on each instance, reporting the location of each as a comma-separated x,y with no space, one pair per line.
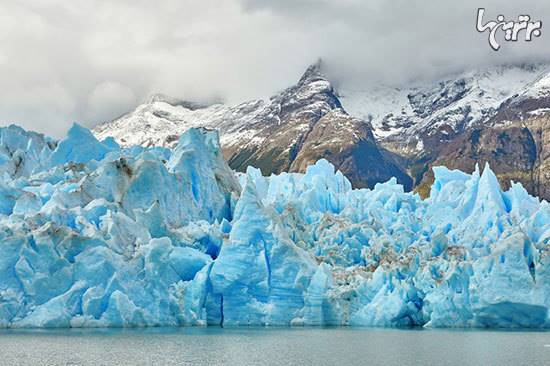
92,235
95,235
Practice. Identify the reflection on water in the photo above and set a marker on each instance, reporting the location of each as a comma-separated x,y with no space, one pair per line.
273,346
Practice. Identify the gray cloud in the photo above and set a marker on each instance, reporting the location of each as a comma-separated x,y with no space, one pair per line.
88,61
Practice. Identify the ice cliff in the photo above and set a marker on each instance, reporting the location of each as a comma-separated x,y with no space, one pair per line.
93,234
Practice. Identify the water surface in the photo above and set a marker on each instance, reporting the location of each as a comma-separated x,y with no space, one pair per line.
273,346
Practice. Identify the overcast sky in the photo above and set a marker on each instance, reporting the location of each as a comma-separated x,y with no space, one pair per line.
89,61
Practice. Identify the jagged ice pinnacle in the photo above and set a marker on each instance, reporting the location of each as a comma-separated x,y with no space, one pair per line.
93,234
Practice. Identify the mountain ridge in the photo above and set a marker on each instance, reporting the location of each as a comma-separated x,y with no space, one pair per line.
370,134
270,134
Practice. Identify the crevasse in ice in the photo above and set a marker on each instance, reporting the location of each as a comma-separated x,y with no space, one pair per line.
95,235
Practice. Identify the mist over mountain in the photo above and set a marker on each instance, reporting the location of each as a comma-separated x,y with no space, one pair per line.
490,115
91,61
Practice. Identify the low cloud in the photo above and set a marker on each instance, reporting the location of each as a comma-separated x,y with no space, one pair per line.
90,61
110,99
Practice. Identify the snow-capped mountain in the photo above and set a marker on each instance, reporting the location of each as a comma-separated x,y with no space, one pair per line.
160,120
288,132
515,140
496,115
402,118
499,115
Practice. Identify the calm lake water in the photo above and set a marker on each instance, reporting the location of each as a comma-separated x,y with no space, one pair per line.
273,346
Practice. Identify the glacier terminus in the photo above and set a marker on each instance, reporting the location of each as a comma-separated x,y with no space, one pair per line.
98,235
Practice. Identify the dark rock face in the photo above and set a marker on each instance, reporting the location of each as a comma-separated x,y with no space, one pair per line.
500,116
515,142
292,129
306,123
284,124
511,152
348,143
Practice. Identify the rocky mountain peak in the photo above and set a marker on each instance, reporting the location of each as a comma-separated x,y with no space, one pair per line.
300,125
312,95
313,73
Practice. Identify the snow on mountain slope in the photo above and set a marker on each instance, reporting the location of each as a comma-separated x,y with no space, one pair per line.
160,121
285,133
454,103
515,140
356,128
396,114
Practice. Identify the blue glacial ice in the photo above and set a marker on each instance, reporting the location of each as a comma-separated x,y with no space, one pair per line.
96,235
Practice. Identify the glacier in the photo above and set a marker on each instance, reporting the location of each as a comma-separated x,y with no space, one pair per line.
98,235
